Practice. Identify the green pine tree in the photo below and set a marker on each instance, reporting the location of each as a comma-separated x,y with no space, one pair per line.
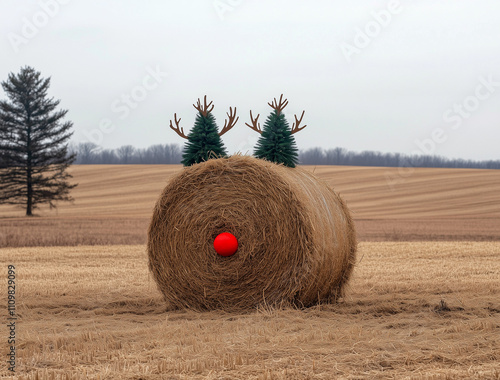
34,137
204,141
276,143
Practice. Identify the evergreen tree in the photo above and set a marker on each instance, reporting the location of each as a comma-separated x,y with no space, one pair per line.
204,140
276,143
33,144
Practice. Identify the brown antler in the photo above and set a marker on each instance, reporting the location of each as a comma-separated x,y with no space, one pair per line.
228,124
179,130
204,110
279,107
255,126
295,126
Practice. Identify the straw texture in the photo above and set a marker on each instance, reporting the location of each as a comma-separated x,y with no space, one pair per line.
297,242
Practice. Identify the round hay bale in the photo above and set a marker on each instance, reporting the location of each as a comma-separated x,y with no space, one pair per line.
296,238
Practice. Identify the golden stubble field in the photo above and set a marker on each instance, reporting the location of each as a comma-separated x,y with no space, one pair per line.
424,302
414,310
113,204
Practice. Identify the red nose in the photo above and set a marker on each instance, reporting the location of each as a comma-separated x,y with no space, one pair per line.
226,244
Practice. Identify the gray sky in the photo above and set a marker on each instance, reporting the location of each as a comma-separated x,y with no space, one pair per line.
393,76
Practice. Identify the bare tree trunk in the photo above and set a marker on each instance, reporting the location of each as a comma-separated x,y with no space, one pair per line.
29,202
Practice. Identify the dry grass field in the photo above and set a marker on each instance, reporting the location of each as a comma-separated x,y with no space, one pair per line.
424,302
415,310
113,205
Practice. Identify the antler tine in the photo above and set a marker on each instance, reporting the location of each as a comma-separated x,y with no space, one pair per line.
295,126
198,107
279,107
228,124
255,125
273,104
283,104
179,130
204,110
208,105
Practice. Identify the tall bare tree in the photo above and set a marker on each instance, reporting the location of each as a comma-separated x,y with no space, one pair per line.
33,143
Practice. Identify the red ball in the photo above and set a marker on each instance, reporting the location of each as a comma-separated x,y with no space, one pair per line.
226,244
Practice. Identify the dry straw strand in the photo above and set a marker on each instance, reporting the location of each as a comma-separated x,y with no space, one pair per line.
297,242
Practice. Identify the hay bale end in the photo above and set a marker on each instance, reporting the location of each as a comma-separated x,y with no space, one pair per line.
296,238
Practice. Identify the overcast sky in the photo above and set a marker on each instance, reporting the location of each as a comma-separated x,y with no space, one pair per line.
419,76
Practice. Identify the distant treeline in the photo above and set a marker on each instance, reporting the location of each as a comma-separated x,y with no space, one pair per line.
341,156
89,153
